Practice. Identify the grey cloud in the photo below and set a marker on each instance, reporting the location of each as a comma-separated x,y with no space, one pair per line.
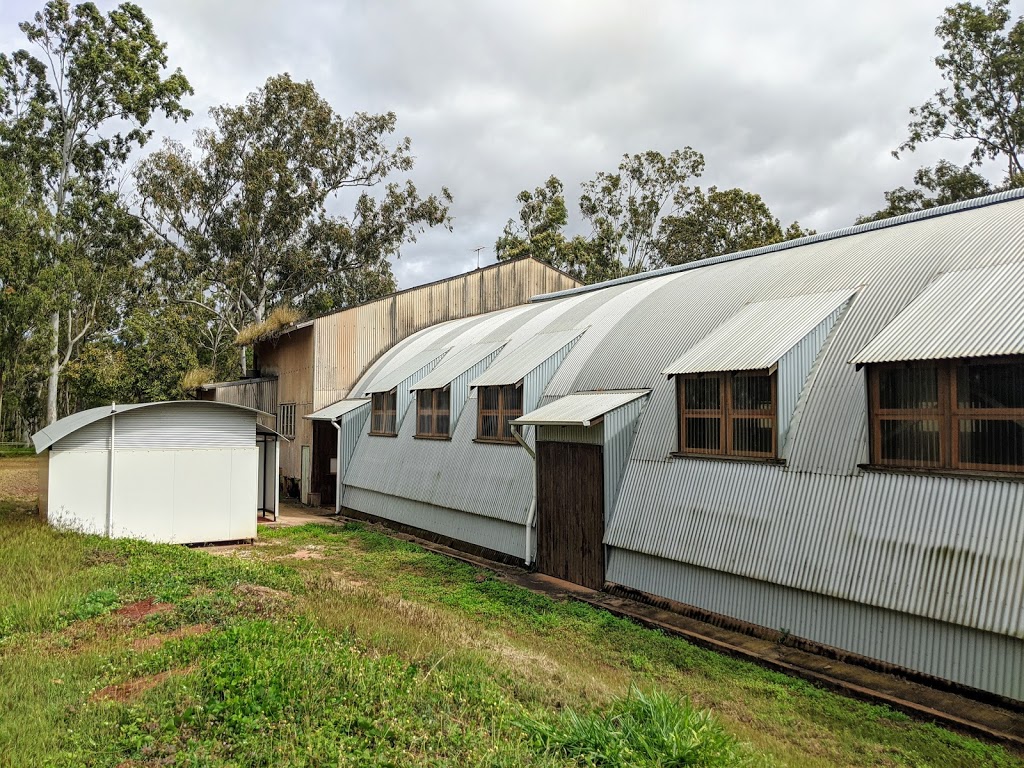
801,102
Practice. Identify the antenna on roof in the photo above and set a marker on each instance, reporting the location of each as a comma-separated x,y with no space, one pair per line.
478,255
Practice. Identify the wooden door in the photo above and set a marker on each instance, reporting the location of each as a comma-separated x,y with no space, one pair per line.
570,512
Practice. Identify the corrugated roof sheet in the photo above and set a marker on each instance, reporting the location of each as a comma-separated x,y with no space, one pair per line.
759,334
970,313
61,428
579,409
512,366
820,237
340,408
392,377
457,363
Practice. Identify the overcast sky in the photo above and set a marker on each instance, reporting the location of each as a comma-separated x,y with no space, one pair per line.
799,101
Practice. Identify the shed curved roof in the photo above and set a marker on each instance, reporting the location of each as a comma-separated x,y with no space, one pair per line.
61,428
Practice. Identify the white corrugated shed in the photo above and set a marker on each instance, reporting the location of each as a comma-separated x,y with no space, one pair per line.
757,336
178,472
969,313
580,409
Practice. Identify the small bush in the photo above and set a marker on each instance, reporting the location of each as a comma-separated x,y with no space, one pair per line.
640,729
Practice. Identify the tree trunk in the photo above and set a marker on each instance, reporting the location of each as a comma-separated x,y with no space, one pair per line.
243,360
51,382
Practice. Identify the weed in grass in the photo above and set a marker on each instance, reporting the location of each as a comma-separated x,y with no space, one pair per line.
642,729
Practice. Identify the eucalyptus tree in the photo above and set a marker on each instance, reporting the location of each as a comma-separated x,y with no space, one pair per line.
983,104
721,221
941,184
252,217
72,114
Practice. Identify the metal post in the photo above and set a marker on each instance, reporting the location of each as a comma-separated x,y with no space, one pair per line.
110,473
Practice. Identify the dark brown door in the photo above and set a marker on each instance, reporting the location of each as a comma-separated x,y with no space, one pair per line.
325,448
570,512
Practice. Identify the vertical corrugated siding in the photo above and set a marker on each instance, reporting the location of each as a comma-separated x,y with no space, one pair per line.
592,435
620,427
794,368
536,380
978,659
353,424
260,395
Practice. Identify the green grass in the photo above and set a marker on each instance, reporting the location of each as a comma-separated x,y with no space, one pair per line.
368,650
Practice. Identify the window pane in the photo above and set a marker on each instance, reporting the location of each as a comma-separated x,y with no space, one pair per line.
703,434
390,423
489,398
489,426
702,394
442,424
506,429
752,393
392,400
377,422
911,441
443,399
514,399
992,441
424,396
423,424
752,436
990,386
908,388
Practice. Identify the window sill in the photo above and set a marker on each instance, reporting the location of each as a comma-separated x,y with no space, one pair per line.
957,474
382,434
494,441
432,437
773,460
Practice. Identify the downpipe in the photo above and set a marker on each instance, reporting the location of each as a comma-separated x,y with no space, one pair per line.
531,515
337,471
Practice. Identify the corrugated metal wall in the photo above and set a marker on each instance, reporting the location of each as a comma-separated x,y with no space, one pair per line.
259,394
459,390
945,555
971,657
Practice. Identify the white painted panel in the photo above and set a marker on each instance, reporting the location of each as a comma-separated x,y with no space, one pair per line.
195,425
143,495
78,491
202,496
244,491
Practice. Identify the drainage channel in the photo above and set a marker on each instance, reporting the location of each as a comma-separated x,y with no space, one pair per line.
957,712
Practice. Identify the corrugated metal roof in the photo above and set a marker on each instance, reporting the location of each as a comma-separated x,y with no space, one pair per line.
970,313
579,409
759,334
393,376
870,226
340,408
457,363
512,366
61,428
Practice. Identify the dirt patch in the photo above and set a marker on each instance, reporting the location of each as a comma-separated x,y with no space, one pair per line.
140,609
307,553
18,476
132,689
149,642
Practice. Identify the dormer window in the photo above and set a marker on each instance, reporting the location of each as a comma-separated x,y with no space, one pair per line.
433,413
728,414
384,413
497,407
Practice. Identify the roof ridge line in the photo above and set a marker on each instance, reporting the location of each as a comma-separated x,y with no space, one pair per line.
835,234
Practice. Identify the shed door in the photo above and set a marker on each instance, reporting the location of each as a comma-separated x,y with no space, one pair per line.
570,512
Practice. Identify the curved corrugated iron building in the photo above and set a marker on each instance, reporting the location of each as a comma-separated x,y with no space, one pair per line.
823,437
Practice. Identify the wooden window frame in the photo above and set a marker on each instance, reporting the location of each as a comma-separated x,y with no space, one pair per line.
504,414
947,413
384,406
286,420
726,415
436,410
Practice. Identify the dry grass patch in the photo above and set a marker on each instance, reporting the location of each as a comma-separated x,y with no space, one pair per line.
19,478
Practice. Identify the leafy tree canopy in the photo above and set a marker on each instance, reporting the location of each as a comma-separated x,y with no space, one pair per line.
250,220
